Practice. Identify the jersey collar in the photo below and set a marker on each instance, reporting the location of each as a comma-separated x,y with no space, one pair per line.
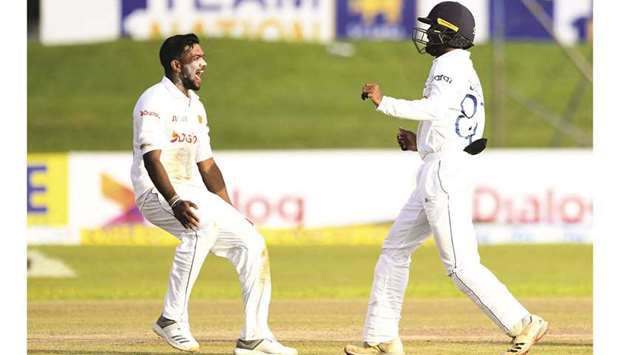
453,54
174,90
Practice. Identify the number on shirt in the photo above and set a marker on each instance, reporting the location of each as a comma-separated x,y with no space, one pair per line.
466,124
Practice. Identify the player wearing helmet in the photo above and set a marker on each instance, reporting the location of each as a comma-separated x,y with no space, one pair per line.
451,115
451,25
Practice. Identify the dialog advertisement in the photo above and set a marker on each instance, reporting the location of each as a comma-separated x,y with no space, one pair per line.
518,195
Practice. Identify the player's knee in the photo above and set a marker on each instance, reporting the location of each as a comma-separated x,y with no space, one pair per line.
456,276
460,271
460,266
397,256
450,269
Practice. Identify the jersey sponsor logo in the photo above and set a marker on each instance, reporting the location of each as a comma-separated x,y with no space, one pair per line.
442,77
149,113
183,137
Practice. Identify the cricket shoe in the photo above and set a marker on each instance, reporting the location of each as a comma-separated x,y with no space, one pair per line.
262,347
530,335
394,347
177,336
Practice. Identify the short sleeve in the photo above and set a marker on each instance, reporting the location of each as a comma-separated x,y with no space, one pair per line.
149,126
204,151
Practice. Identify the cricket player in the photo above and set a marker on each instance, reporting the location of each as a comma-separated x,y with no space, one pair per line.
449,134
179,188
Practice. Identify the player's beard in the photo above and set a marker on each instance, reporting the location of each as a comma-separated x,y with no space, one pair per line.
190,77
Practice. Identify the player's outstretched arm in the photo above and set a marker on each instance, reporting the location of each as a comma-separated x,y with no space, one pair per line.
423,109
181,208
213,179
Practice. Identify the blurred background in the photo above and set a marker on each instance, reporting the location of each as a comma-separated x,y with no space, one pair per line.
314,167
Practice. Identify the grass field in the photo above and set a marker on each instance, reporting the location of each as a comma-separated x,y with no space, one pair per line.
318,302
281,95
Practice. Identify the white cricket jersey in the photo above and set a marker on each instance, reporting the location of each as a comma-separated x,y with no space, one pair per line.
167,120
452,108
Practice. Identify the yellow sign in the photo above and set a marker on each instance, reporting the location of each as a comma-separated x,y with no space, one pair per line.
370,9
129,234
137,234
47,199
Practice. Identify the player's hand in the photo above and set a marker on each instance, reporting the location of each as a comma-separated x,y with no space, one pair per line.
183,212
406,140
373,92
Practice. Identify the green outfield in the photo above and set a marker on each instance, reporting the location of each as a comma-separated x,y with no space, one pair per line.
281,95
319,296
117,272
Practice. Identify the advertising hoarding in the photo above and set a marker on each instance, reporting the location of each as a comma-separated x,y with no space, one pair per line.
75,21
517,195
297,20
47,199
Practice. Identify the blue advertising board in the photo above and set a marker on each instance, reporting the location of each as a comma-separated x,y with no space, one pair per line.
384,19
290,20
518,22
395,19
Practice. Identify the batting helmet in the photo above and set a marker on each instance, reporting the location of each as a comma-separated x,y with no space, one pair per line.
452,25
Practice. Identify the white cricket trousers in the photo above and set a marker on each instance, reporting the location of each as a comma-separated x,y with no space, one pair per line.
440,205
224,232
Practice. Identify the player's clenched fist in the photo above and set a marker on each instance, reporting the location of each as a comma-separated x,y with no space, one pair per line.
183,212
371,91
406,140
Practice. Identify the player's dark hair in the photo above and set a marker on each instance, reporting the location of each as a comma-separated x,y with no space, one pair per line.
174,47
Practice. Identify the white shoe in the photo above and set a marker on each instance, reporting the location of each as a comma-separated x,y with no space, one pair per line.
394,347
177,336
262,347
529,335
